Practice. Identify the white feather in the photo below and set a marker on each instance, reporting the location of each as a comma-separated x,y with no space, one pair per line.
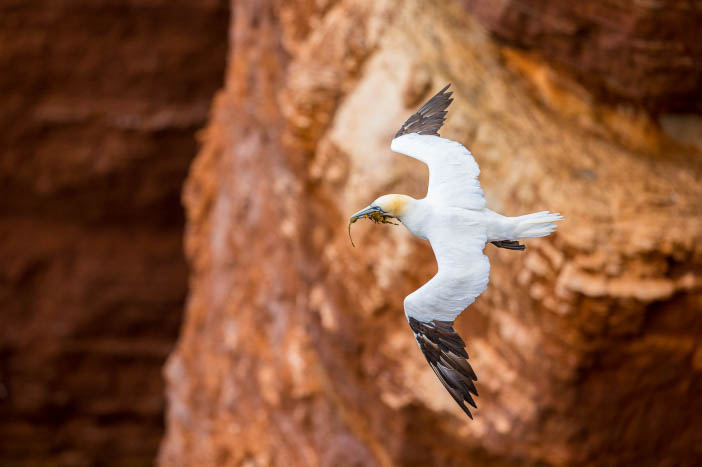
538,224
453,173
458,238
447,217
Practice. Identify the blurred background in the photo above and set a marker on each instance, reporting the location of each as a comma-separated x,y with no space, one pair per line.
101,101
176,281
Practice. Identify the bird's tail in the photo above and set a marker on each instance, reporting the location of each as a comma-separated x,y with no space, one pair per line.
538,224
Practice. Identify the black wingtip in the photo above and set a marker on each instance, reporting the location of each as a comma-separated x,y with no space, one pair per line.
445,352
430,117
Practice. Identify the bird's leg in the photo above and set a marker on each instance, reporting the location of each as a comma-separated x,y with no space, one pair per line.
509,245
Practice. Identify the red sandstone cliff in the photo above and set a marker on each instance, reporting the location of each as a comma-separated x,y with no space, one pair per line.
645,52
100,102
295,349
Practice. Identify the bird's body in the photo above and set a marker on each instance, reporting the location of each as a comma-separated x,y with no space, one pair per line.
455,221
455,286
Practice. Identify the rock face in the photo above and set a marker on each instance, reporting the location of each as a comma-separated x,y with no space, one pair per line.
295,349
100,103
643,52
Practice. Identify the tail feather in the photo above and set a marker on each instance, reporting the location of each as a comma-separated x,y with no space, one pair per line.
538,224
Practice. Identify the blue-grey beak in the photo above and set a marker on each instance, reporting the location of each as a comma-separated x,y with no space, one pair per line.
364,213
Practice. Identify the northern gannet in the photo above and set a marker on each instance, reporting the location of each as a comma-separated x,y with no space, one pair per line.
455,221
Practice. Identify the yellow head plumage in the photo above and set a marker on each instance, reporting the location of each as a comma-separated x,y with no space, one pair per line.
392,204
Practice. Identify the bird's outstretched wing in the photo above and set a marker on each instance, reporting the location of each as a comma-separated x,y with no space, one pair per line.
453,173
463,275
446,354
430,117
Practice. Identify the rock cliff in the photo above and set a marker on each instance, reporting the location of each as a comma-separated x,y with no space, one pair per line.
647,53
295,348
100,104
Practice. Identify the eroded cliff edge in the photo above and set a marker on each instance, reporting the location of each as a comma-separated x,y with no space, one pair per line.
295,349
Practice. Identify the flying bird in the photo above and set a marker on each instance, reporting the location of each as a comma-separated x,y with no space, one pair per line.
455,221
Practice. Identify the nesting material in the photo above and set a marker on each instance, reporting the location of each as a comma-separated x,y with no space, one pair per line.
375,216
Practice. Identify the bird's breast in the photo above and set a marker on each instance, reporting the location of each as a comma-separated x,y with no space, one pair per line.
434,222
420,222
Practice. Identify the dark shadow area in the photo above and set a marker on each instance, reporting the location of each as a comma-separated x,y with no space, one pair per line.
101,104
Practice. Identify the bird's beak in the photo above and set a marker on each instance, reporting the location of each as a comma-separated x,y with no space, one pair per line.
366,213
373,213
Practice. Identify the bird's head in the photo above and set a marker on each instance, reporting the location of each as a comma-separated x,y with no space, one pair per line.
382,209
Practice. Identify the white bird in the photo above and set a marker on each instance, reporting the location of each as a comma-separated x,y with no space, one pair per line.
455,221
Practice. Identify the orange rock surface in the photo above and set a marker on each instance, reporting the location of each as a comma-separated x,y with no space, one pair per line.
647,52
295,348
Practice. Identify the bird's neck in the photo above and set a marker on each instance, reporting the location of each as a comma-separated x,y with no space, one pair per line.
416,217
